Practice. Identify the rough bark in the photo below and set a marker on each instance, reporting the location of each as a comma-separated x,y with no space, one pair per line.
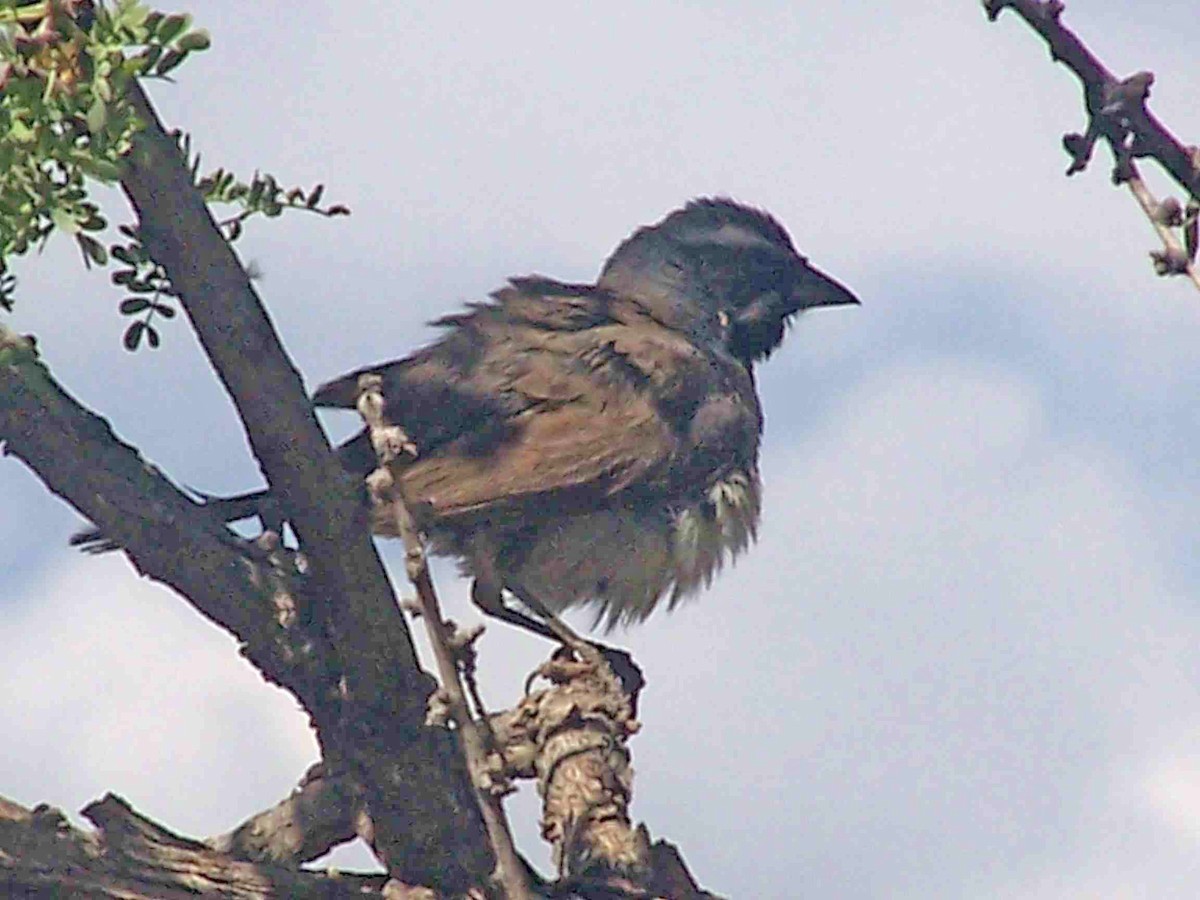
323,812
372,727
131,858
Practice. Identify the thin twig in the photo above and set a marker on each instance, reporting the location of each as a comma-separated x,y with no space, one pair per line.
1174,260
391,444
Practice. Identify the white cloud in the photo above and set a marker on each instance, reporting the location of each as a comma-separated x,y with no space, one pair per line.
956,635
112,683
1172,790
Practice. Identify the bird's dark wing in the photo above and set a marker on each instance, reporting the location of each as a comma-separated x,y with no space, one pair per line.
552,393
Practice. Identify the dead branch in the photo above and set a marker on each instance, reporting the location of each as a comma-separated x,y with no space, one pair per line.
323,812
391,446
1117,114
130,857
263,598
381,690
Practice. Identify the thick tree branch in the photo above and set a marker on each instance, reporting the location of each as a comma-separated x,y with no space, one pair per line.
432,829
323,812
170,538
319,497
382,693
132,858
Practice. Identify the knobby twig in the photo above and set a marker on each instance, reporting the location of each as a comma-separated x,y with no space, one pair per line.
391,445
1117,114
1165,216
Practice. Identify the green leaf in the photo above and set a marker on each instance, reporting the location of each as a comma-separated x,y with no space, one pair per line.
152,336
150,57
133,335
131,15
92,249
172,26
97,115
102,169
131,306
92,220
20,132
171,60
195,40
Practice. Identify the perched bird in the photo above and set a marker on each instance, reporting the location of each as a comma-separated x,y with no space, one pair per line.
598,444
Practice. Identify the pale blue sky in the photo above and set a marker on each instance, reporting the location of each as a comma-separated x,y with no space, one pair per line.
962,660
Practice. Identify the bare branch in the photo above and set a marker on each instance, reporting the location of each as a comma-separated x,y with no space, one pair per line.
1104,93
132,858
1163,216
431,828
169,536
323,812
1117,114
391,444
380,693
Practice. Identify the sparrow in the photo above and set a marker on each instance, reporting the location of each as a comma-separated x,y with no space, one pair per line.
596,445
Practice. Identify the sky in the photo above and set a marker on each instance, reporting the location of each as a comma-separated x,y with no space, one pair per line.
961,660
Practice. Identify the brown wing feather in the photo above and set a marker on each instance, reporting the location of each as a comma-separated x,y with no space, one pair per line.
575,449
587,393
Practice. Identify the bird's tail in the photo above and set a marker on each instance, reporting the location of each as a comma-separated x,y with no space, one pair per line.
356,456
223,509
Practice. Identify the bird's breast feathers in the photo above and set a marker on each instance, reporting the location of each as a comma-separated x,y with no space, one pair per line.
626,558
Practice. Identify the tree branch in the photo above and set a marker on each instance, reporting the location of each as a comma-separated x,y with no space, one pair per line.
1117,113
1101,88
168,536
323,812
431,831
381,693
132,858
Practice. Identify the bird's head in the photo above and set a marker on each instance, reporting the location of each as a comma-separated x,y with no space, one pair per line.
716,267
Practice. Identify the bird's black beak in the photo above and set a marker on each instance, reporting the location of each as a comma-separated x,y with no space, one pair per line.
815,288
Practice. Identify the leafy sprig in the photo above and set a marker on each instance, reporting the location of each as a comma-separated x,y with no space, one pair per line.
65,66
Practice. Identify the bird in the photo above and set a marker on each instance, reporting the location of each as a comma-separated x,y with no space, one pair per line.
596,445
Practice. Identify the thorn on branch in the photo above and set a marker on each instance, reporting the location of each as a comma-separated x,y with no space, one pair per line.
993,8
1079,147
